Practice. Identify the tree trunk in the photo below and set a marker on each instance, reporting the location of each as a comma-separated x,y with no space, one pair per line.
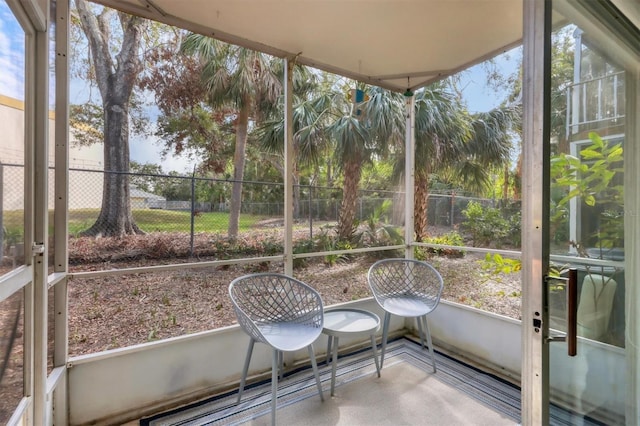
420,207
242,125
505,186
115,79
399,200
115,218
296,182
517,179
346,220
329,173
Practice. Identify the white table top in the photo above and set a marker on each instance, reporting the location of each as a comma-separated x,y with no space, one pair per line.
346,321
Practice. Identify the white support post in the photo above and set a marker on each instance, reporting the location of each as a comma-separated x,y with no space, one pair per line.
40,228
409,177
61,210
29,197
632,247
288,166
577,88
535,210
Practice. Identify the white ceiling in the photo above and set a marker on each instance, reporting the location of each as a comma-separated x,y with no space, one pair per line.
396,44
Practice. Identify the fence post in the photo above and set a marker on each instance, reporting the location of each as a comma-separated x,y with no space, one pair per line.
453,204
193,208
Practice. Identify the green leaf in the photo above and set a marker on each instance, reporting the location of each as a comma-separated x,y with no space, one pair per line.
616,154
596,139
589,153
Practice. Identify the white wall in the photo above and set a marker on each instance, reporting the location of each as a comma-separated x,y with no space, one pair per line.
137,381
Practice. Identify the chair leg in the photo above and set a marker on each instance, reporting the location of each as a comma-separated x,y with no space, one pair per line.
274,385
433,358
334,363
312,356
245,369
421,331
375,355
385,333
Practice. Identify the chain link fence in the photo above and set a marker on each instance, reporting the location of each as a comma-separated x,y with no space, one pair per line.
12,203
169,202
194,204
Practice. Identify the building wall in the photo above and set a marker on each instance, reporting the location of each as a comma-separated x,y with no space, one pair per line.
85,189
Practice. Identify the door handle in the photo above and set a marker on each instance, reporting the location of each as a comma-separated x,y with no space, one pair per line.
572,313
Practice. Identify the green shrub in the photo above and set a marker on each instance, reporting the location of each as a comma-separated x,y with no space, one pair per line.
302,246
11,235
514,237
594,178
452,238
496,264
486,225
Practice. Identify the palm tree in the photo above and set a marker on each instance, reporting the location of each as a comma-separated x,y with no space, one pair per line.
450,142
358,133
325,121
441,129
309,141
361,133
244,80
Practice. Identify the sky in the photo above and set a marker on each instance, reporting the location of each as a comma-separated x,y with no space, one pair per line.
475,92
141,149
11,54
473,82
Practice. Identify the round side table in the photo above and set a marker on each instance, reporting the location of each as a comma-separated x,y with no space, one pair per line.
348,322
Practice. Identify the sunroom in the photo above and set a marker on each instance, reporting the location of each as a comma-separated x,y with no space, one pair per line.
574,343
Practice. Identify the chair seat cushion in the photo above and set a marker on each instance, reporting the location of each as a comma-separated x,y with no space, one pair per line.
289,336
406,306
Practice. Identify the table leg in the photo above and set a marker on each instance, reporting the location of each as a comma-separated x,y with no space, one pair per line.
329,342
334,361
375,353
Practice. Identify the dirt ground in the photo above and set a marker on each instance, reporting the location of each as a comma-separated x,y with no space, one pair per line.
118,311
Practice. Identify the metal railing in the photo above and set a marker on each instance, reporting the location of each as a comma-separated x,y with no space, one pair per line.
595,102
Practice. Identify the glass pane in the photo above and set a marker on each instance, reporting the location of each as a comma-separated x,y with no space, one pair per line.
589,146
11,354
12,206
12,116
51,318
51,308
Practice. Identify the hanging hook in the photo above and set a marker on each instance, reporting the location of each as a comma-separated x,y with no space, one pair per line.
408,93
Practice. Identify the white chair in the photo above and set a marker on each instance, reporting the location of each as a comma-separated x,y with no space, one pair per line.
281,312
407,288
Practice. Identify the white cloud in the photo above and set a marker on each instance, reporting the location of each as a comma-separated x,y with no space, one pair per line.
149,150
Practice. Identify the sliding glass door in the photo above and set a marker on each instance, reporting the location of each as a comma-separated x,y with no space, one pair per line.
594,172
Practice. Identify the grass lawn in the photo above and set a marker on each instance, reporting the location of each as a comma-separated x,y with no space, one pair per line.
156,220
